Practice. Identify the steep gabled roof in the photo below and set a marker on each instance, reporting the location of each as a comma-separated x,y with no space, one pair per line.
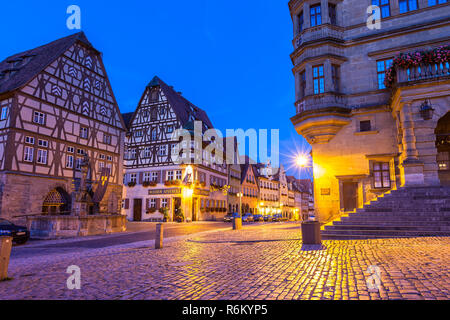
127,117
181,106
17,70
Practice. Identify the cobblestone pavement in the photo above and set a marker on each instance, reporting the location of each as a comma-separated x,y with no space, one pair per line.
264,262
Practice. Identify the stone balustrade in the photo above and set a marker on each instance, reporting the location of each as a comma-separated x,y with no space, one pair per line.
318,32
423,72
321,101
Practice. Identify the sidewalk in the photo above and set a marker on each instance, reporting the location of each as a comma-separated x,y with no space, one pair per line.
258,262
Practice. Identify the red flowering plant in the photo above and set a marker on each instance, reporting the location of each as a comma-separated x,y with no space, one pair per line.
414,59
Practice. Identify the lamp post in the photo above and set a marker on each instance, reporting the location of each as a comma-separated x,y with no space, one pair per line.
240,202
310,229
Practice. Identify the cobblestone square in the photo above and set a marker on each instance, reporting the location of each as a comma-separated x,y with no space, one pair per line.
257,262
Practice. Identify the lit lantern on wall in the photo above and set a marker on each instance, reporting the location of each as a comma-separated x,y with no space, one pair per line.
426,110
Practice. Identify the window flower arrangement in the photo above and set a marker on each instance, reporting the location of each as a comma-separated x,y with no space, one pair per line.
414,59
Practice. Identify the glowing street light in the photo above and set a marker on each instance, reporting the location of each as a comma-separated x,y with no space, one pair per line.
302,161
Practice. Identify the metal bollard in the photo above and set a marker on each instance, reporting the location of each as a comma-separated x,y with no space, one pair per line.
5,252
237,223
311,232
159,236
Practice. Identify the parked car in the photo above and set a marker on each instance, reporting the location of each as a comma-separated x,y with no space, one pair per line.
19,234
258,217
247,217
230,216
268,217
276,217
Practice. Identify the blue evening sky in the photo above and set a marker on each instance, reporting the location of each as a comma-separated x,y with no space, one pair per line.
230,58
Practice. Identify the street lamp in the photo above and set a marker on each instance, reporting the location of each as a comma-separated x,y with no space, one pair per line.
302,161
240,195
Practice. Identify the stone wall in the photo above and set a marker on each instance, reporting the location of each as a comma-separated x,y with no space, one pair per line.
51,227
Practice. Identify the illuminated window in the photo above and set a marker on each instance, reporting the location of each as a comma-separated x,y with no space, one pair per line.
318,79
382,66
435,2
384,6
178,174
164,202
4,113
443,160
316,15
381,175
407,5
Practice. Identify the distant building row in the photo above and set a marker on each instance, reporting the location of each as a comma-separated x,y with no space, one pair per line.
64,149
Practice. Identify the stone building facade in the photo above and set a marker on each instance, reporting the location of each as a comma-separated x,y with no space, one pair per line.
368,137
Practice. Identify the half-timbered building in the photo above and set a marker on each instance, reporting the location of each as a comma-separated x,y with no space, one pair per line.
156,186
58,116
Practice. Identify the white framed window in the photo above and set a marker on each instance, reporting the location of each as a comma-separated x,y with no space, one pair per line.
178,174
39,117
147,152
163,150
154,134
109,158
101,165
138,133
154,176
153,203
164,202
4,113
28,154
170,175
70,149
84,132
80,151
69,161
29,140
42,143
133,153
78,163
42,156
102,156
147,176
133,177
107,139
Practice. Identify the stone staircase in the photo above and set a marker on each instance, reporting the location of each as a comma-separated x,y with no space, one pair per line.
406,212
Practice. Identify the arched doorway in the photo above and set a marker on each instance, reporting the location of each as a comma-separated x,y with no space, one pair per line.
56,203
443,149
